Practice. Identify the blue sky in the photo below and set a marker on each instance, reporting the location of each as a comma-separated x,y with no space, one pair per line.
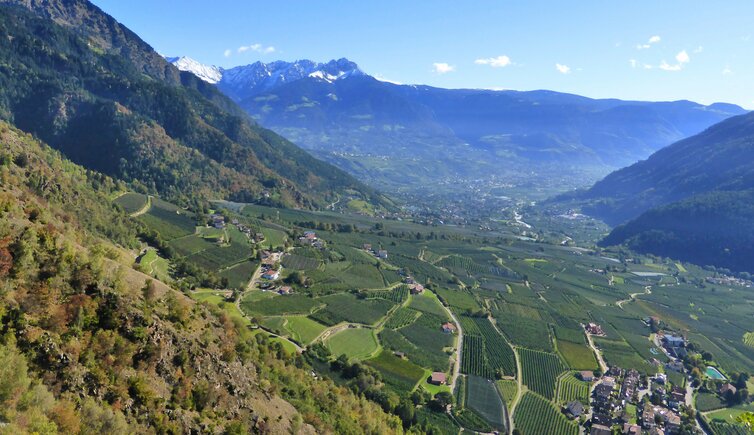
647,50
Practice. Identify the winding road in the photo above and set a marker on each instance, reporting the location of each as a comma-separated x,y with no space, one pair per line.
633,296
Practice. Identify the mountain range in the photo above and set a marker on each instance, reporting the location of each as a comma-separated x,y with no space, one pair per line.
391,134
88,86
691,200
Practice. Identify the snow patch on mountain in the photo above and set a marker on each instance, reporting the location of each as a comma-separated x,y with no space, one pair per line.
208,73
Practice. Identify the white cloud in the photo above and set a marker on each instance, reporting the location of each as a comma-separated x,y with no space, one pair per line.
633,63
563,69
667,67
259,48
699,49
682,57
651,41
727,71
227,52
442,68
495,62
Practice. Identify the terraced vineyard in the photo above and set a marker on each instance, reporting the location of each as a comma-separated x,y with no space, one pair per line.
540,371
456,262
497,350
472,357
485,351
397,295
537,416
402,317
571,388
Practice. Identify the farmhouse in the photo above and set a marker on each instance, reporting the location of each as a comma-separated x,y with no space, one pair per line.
725,389
594,329
438,378
409,280
631,429
587,376
448,328
218,221
400,355
677,397
367,246
574,409
382,254
673,341
271,274
285,290
416,289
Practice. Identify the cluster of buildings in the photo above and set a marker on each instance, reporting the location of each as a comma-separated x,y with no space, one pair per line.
620,390
659,420
310,239
379,253
729,280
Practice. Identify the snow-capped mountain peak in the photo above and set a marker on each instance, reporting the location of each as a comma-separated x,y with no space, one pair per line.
208,73
245,80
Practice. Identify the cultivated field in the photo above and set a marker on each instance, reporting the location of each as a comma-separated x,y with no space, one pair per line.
355,343
537,416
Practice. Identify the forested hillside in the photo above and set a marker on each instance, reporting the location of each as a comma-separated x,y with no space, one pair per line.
91,88
720,158
89,345
709,229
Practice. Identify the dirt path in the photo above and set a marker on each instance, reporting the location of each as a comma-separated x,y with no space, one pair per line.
250,286
144,209
600,360
459,347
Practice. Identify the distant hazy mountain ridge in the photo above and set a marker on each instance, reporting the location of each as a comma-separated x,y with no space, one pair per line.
377,130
